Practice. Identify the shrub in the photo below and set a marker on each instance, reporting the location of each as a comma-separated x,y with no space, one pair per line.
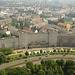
6,50
58,51
47,51
68,50
37,52
64,50
41,51
34,53
20,55
44,52
24,57
54,50
26,53
61,51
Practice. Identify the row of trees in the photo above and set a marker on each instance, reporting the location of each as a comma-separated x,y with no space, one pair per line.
2,58
19,24
35,28
6,59
55,22
6,35
41,51
61,50
3,53
6,51
71,15
47,67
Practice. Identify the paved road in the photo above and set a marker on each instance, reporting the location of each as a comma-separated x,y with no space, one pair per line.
24,65
3,66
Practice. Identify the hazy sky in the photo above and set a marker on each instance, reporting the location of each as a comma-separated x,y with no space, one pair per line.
37,0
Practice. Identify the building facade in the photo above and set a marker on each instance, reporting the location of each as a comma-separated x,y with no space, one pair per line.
38,40
30,40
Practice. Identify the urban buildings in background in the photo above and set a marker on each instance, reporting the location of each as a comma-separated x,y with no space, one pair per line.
34,24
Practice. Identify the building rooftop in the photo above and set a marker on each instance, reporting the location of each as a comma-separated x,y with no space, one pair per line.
63,24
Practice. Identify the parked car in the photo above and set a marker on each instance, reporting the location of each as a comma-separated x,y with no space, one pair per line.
64,55
25,60
46,56
39,57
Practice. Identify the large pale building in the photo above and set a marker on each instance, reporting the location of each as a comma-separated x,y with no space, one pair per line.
38,40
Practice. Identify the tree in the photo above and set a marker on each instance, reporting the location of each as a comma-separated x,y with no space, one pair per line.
34,53
53,22
5,35
36,69
49,72
62,20
2,58
33,70
70,72
47,51
18,71
6,50
41,72
60,62
56,70
26,53
24,71
54,50
60,70
69,67
64,50
37,52
68,50
42,62
69,64
20,55
8,59
47,67
41,51
58,51
71,15
29,64
27,71
3,72
12,34
44,52
61,51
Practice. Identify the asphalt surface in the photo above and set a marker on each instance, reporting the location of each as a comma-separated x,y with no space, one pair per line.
24,65
14,63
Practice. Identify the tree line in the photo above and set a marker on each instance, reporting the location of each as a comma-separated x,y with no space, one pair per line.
5,52
56,22
47,67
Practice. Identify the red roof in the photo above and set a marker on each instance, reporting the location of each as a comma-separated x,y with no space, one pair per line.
28,29
63,24
32,23
20,30
39,21
8,17
44,29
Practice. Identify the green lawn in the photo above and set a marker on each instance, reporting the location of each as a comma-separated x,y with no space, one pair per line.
73,33
67,22
10,58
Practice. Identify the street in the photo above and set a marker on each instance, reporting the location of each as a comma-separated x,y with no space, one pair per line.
18,62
